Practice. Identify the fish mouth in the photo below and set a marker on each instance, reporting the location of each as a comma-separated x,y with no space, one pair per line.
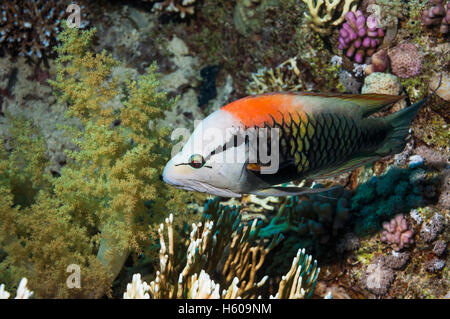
196,186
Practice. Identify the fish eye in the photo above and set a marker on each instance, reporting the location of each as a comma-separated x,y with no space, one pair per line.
196,161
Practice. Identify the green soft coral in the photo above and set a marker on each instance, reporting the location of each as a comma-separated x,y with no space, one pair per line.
97,211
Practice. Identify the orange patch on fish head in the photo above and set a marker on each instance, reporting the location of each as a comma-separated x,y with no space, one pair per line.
257,110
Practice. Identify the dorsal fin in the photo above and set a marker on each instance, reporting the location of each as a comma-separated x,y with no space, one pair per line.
369,103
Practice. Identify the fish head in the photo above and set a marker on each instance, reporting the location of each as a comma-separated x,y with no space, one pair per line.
209,161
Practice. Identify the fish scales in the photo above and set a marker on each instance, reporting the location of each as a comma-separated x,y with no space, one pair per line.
320,135
321,141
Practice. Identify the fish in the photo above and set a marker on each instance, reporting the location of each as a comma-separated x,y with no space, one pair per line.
307,135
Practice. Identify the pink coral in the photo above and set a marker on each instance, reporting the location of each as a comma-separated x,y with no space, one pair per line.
438,13
397,233
406,60
359,37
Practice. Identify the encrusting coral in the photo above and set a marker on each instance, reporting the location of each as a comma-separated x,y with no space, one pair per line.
206,260
30,28
323,17
109,194
406,60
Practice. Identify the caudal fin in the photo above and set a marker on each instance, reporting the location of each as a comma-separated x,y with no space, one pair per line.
400,121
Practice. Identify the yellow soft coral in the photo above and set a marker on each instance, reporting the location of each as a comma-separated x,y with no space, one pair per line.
109,197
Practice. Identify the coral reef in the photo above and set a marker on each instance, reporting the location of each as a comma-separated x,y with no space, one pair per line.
322,14
432,228
439,247
379,277
406,60
137,289
384,83
30,28
437,14
95,213
435,265
22,291
443,91
319,217
285,77
380,198
379,62
359,37
387,13
381,83
398,233
183,8
248,15
205,260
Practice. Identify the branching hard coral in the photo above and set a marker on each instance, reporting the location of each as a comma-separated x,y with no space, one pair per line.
22,291
30,28
324,16
292,285
386,13
397,233
187,264
137,289
109,196
183,7
207,242
202,286
359,37
285,77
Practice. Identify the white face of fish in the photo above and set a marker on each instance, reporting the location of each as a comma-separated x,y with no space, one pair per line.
196,167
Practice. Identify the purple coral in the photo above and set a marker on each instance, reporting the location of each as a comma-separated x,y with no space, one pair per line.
406,60
359,36
397,233
438,13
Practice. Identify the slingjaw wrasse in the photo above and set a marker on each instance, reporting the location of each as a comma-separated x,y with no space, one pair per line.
307,135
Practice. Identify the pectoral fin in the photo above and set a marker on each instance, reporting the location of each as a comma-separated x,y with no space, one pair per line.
288,191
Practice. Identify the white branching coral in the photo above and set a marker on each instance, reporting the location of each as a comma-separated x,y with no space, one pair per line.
22,291
285,77
323,16
300,280
137,289
221,258
203,287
